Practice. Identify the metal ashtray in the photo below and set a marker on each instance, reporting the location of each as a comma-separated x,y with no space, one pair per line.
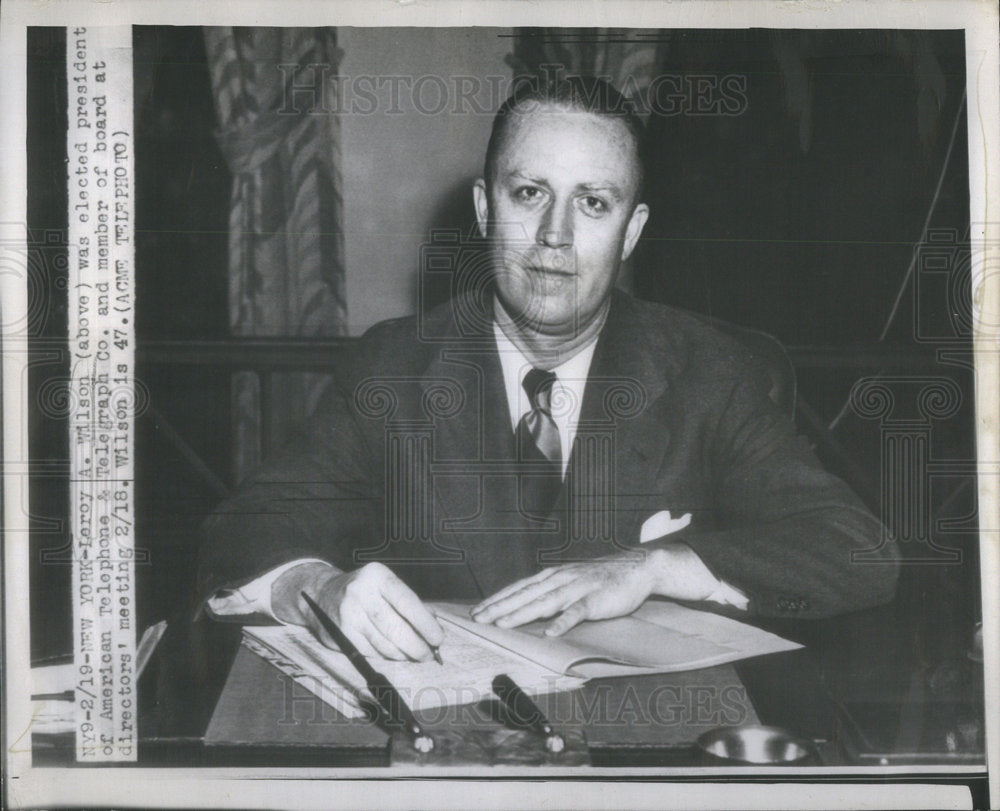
755,744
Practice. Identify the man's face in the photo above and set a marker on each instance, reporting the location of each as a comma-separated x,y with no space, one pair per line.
562,216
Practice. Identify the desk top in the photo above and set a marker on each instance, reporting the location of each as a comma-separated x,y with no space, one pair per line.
658,711
859,689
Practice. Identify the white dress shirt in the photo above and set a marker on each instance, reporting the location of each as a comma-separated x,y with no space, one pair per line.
567,389
566,400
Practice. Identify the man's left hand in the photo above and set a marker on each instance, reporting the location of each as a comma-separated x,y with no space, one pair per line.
593,589
598,589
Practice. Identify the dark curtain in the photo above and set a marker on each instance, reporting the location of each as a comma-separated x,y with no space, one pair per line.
273,90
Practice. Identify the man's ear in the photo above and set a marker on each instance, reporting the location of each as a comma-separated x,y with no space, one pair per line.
482,203
634,228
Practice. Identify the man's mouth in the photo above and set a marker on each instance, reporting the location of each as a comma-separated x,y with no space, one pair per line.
550,271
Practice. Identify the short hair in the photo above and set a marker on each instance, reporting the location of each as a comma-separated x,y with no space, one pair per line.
589,94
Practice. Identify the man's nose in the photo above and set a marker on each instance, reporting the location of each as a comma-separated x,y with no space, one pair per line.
556,228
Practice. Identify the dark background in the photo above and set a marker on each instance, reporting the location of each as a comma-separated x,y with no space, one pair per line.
804,233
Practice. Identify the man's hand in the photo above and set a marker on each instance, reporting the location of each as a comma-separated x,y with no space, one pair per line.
375,609
599,589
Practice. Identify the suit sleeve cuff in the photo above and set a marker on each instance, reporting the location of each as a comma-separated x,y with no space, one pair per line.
255,596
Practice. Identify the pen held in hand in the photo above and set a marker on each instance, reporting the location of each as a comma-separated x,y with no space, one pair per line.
379,686
436,649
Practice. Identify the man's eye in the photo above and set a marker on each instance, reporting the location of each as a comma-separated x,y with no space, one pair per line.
594,205
528,194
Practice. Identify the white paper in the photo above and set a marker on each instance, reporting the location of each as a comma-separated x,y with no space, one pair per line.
660,637
465,677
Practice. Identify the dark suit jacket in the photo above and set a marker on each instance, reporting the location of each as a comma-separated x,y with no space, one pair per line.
410,461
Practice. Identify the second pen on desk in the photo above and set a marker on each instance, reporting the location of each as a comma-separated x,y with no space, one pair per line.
526,712
379,686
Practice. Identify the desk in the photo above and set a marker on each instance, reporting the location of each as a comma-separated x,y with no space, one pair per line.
859,690
662,714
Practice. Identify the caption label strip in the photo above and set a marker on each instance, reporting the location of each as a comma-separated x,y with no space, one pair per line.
102,360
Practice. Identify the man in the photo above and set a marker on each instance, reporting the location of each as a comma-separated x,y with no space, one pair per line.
544,446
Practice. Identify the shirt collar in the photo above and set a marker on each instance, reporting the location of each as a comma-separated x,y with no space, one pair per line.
571,374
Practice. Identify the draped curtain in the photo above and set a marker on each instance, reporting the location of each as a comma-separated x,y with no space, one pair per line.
625,57
275,93
631,59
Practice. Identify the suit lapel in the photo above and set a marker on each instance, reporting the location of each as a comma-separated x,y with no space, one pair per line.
621,439
620,445
473,469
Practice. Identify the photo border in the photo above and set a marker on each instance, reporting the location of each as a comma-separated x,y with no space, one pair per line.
48,786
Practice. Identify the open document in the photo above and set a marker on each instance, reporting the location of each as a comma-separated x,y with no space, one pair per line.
660,637
470,663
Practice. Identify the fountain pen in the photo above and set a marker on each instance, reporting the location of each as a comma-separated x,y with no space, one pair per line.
387,696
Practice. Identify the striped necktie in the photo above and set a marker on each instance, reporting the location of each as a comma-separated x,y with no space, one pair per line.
539,449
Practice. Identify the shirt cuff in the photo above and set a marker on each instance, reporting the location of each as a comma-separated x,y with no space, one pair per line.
255,596
728,595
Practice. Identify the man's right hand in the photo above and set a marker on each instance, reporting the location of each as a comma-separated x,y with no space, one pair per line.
377,611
